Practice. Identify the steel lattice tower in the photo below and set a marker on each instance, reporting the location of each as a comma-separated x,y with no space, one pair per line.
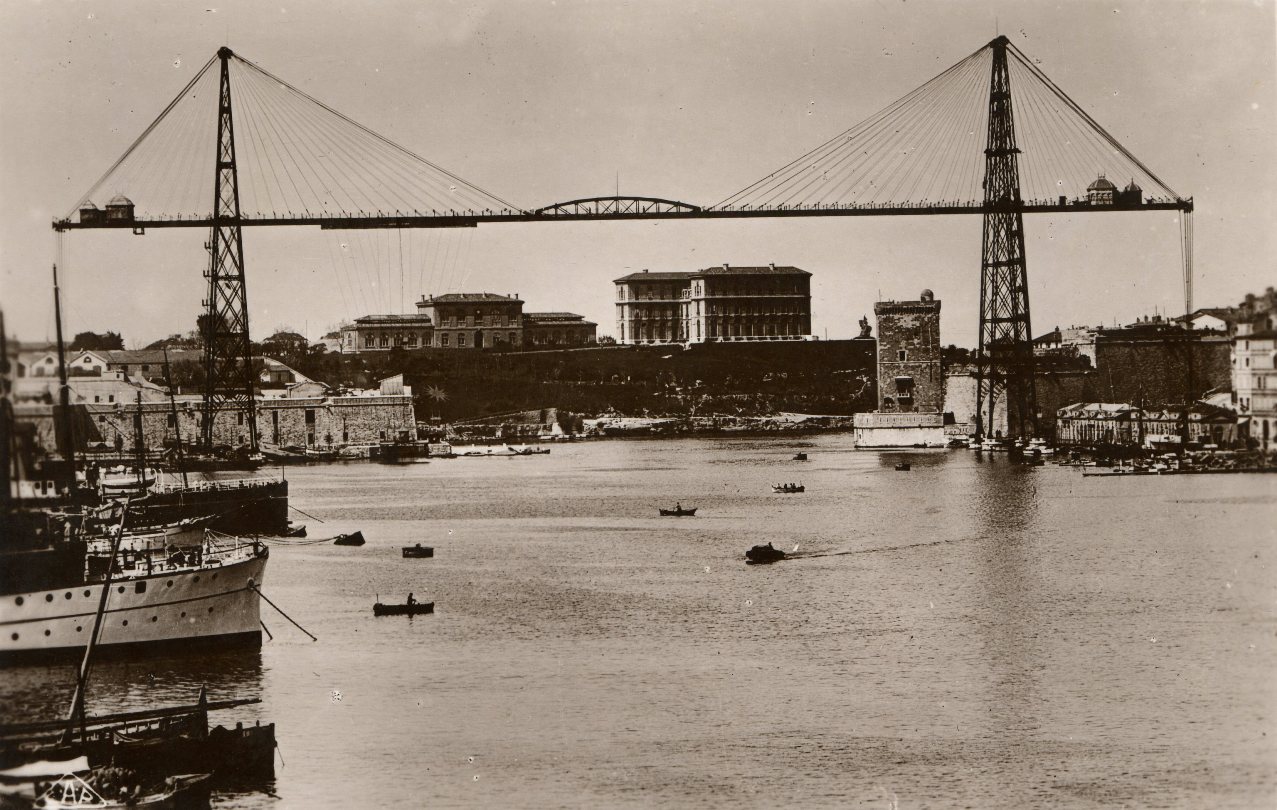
228,359
1004,364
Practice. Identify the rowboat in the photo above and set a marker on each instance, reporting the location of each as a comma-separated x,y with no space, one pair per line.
800,456
678,511
71,792
903,466
413,609
418,551
352,539
788,488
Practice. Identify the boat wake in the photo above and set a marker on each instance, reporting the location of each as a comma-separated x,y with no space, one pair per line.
810,555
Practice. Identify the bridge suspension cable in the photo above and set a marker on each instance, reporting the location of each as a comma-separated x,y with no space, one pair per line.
298,158
926,149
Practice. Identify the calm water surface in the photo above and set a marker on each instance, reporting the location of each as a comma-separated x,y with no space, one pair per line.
966,634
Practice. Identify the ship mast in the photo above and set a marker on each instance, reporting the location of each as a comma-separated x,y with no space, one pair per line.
62,423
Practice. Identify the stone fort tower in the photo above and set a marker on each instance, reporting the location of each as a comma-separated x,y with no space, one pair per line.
909,376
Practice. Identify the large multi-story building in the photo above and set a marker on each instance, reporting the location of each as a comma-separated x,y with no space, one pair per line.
1254,368
466,321
716,304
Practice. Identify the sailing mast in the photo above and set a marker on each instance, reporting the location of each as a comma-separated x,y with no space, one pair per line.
177,426
63,426
139,441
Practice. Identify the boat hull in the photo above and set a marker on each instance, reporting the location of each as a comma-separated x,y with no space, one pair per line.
379,609
237,507
212,607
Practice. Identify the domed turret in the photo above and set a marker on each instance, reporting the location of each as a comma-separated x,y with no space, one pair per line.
1101,191
927,296
120,208
90,213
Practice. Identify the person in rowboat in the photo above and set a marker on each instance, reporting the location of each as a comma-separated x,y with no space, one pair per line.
412,600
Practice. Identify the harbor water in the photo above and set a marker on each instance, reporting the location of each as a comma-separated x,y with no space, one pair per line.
968,633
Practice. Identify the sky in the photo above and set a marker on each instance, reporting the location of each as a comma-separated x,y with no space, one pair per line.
541,102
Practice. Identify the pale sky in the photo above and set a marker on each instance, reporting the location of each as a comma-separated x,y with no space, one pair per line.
541,102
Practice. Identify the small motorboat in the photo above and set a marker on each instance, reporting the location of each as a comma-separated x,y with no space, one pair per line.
761,555
418,551
903,466
298,530
678,511
352,539
407,609
800,456
788,488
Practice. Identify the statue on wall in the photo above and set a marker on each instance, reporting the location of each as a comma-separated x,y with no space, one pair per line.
865,328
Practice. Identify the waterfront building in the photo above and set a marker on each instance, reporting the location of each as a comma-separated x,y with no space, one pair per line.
911,390
649,307
1095,424
1254,368
557,330
474,320
466,321
381,333
716,304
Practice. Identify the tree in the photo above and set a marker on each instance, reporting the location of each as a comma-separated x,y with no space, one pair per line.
92,341
606,340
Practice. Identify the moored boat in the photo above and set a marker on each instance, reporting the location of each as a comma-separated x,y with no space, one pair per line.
788,488
418,551
195,599
352,539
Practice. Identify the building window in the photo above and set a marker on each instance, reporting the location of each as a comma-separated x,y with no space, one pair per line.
310,416
412,340
461,341
369,341
443,341
902,355
97,398
240,419
512,336
385,341
110,397
172,422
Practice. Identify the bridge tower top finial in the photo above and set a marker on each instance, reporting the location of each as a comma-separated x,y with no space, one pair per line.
224,52
999,42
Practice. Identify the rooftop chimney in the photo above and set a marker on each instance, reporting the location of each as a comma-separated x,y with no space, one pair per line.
726,266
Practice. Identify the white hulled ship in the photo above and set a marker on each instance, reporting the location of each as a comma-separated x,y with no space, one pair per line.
194,599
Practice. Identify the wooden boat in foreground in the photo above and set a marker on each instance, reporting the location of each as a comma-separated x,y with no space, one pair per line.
418,551
412,609
73,792
352,539
678,511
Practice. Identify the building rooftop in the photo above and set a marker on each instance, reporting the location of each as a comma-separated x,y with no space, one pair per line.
764,270
129,356
457,298
552,316
403,319
646,276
